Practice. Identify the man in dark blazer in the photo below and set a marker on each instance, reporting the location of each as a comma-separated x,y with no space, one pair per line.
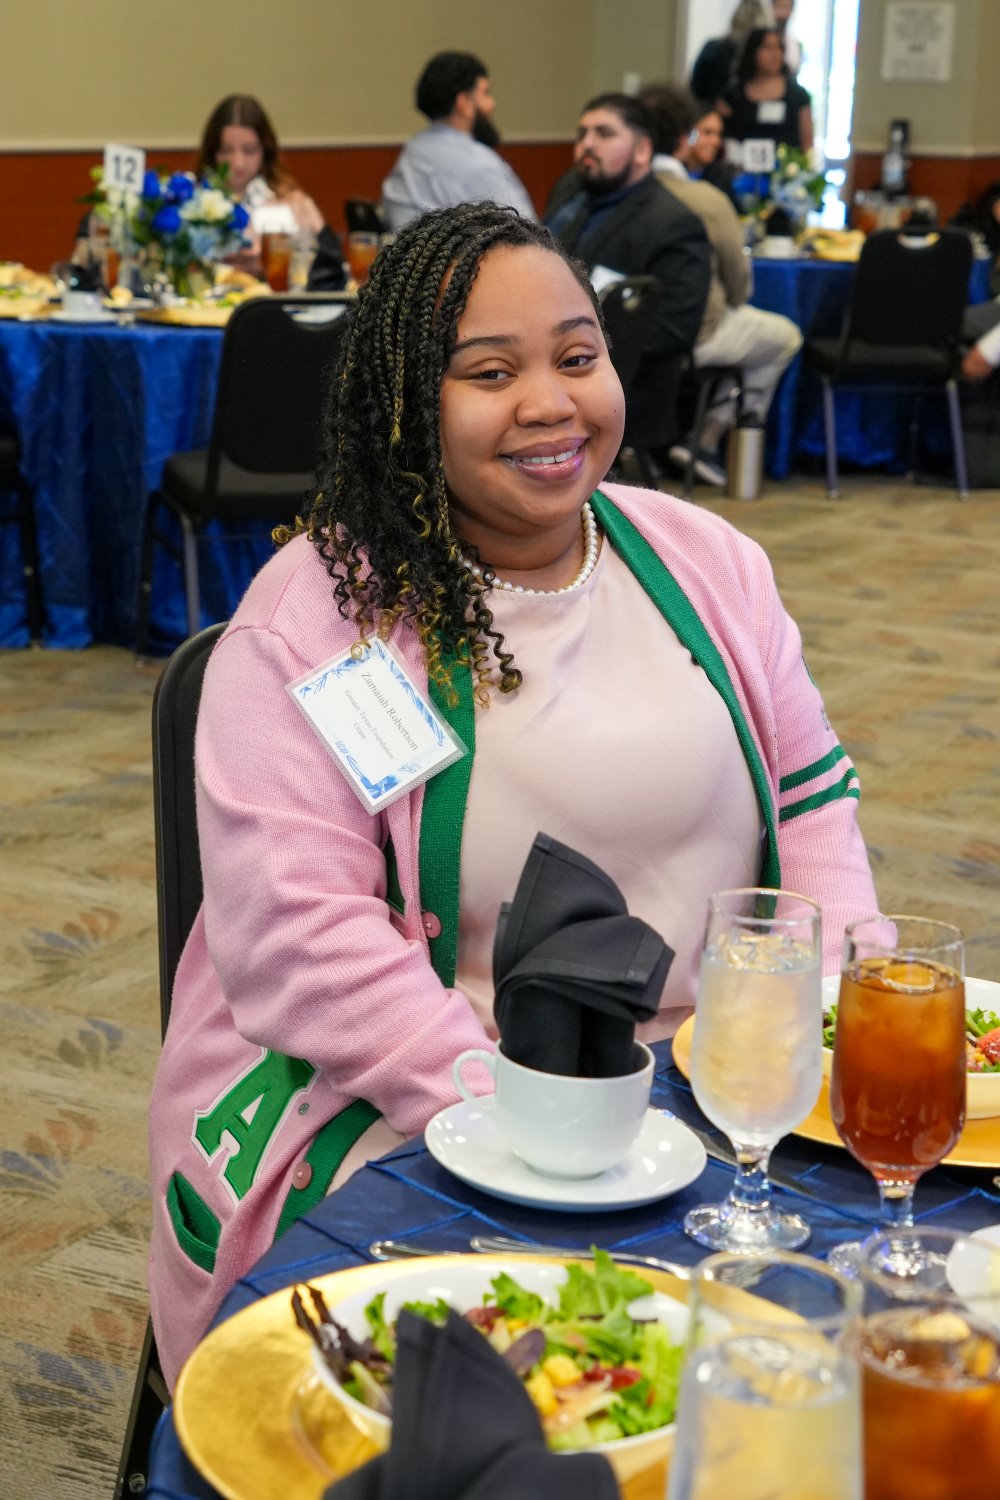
611,212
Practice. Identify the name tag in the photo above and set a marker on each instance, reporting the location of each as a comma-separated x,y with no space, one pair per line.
771,112
378,726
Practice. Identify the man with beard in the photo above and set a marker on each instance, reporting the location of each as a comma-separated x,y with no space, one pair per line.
455,159
612,213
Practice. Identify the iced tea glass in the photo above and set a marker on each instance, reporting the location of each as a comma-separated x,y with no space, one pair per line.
756,1053
276,255
897,1091
769,1405
929,1351
362,248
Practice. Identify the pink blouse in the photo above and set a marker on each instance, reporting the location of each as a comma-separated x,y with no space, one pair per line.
618,745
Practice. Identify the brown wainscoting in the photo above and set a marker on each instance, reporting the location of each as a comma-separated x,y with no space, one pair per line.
949,180
40,189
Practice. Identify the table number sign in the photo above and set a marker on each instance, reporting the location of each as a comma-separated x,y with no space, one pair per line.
379,727
758,155
124,167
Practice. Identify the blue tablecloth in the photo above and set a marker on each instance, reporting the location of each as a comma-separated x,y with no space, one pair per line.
408,1196
872,428
98,409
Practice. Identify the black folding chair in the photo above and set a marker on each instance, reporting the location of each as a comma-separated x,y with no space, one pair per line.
901,331
17,508
364,216
629,307
266,437
698,384
178,897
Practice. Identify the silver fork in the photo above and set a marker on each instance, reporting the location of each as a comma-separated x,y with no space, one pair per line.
494,1244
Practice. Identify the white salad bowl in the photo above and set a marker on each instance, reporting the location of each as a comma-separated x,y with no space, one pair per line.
982,1097
464,1284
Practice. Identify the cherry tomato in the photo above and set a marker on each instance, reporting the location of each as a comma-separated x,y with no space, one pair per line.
989,1045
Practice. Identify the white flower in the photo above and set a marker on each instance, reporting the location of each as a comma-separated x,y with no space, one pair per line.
791,169
211,205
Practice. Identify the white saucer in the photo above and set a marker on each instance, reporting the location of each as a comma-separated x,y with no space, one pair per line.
94,315
665,1158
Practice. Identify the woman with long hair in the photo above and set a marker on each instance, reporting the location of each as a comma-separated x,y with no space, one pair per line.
765,102
715,66
616,664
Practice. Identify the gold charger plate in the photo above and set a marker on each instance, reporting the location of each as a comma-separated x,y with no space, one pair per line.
256,1422
978,1145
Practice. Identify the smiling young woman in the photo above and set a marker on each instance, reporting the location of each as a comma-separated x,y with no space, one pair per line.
617,665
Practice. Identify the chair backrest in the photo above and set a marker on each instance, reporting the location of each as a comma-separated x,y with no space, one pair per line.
272,381
629,308
178,863
364,216
911,289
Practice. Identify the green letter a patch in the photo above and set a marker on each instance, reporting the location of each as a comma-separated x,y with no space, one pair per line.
249,1112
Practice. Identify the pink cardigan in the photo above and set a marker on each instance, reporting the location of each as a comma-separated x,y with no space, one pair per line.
296,954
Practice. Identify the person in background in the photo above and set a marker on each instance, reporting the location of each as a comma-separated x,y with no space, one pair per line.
703,158
715,66
732,332
239,136
765,103
981,328
624,675
611,212
454,160
782,14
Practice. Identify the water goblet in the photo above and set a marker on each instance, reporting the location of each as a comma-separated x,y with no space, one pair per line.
897,1090
769,1404
756,1053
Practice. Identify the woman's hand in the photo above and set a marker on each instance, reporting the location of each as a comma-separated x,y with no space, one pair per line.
247,260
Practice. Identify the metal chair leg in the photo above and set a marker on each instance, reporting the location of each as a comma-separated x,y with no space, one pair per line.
911,473
144,603
700,412
958,440
149,1399
192,594
830,433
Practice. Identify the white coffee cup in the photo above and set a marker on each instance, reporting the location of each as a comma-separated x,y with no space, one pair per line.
564,1126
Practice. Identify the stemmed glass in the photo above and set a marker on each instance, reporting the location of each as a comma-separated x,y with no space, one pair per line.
769,1404
897,1092
756,1054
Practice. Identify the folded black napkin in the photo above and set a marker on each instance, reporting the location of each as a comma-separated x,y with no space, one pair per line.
464,1428
573,973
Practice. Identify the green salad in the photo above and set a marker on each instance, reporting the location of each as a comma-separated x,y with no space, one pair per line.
982,1038
594,1373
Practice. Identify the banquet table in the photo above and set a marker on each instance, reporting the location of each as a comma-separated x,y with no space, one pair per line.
872,427
408,1196
98,409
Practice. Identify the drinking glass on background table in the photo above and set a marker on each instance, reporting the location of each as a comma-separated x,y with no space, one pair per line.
756,1053
276,255
897,1090
362,248
769,1405
930,1366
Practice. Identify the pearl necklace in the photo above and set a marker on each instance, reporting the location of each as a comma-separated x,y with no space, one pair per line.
591,548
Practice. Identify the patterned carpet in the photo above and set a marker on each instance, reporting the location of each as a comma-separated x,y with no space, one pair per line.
896,592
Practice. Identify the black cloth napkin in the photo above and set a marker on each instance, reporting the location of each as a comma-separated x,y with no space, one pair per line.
573,973
464,1428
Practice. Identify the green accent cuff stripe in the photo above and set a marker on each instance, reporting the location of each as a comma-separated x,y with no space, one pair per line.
677,609
329,1147
195,1225
441,823
809,773
847,786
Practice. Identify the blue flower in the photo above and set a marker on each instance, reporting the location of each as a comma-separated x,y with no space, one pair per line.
180,188
240,217
204,243
167,220
151,185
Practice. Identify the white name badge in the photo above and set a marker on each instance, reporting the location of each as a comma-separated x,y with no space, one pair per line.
771,112
378,726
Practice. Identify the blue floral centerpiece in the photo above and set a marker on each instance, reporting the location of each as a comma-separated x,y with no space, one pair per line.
796,185
178,226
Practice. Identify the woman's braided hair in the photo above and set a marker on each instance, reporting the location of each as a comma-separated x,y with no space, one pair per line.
380,516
